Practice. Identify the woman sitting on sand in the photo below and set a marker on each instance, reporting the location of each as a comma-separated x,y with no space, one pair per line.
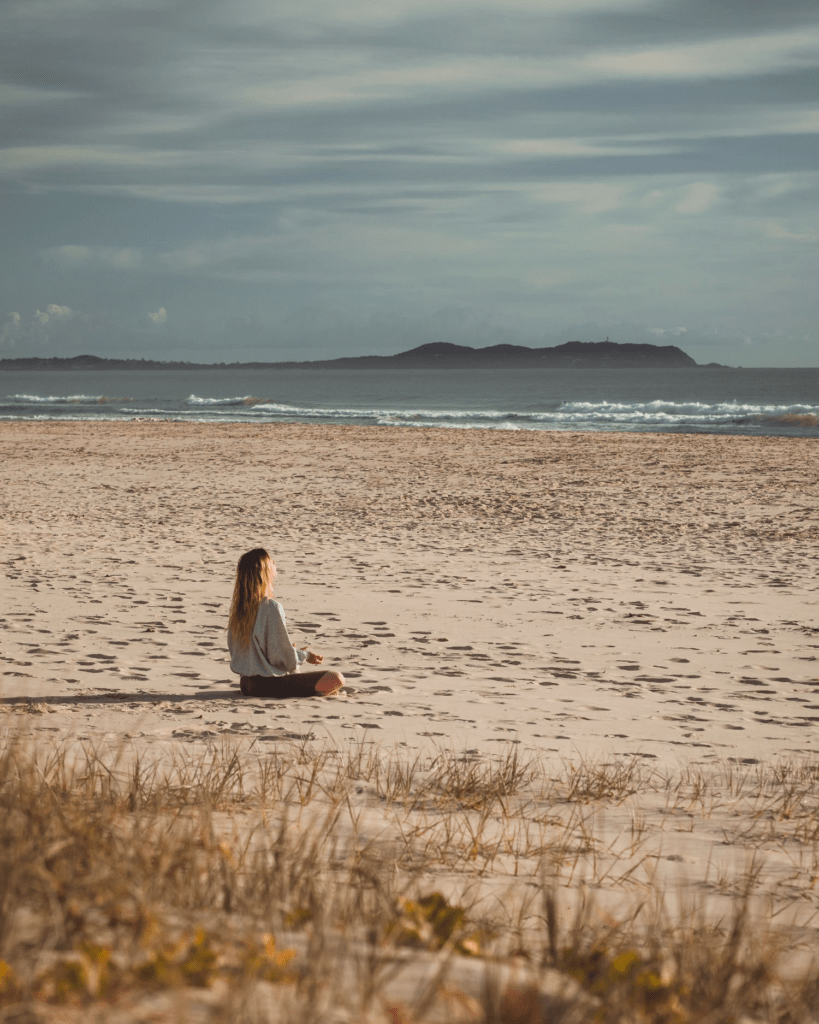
260,649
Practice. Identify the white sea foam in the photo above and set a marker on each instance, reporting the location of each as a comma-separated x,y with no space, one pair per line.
655,414
243,400
55,399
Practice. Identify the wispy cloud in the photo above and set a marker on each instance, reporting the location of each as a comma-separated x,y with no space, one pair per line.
699,197
125,258
776,230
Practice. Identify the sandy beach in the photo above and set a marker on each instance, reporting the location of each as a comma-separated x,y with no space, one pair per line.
638,613
577,593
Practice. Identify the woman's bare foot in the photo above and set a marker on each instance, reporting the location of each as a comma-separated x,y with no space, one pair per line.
330,682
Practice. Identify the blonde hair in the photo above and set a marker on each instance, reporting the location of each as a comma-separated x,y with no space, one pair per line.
254,580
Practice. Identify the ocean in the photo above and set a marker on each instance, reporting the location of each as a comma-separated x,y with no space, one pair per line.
716,401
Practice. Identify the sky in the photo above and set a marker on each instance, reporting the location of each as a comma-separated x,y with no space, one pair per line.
280,179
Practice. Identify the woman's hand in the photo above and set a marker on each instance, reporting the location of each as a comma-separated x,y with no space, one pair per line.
313,658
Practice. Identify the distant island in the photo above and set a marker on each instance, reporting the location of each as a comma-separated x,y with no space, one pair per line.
437,355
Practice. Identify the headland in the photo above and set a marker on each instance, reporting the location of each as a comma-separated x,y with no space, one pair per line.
436,355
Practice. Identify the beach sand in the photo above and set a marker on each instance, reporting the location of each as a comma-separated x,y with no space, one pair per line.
582,594
638,613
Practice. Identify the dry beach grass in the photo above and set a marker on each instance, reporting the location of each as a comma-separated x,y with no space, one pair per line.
573,775
310,884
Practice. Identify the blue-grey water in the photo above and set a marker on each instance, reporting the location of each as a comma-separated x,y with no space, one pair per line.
724,401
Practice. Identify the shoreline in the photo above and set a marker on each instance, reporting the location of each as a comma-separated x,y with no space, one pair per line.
792,421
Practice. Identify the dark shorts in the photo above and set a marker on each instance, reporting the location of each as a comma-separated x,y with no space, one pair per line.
298,684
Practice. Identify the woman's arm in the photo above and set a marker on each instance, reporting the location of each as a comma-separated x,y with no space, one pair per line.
278,648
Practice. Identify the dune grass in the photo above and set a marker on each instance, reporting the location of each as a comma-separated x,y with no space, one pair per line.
297,885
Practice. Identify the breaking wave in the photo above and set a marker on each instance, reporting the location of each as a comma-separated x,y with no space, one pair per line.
657,415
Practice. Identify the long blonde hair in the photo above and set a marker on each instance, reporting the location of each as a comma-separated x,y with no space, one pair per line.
254,580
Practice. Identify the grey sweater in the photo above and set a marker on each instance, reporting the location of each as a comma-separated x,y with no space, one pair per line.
270,652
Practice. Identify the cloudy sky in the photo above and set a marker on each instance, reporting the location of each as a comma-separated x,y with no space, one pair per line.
280,178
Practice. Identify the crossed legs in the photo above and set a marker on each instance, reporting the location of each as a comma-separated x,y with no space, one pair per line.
298,684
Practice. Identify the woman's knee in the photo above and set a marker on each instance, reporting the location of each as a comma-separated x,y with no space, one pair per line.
329,683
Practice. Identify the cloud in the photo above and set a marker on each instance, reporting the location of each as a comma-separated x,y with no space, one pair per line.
661,332
255,102
124,258
776,230
159,317
590,197
699,197
71,255
50,313
42,328
10,331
